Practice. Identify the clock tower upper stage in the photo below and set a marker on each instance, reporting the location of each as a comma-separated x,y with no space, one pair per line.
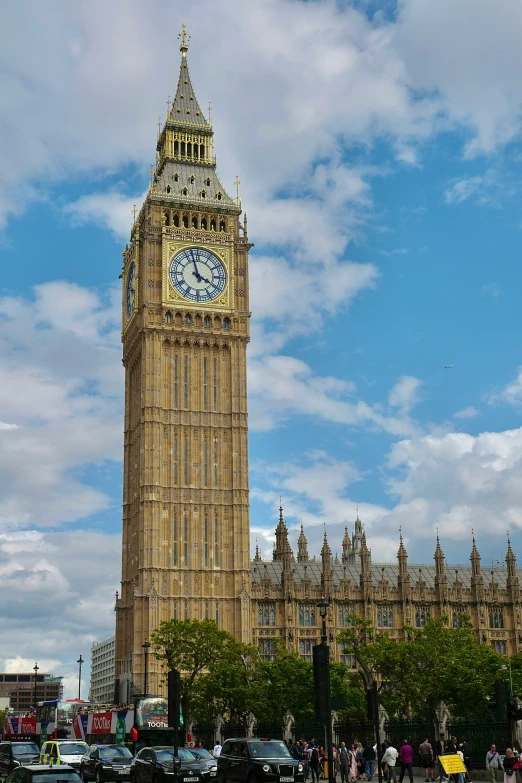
185,328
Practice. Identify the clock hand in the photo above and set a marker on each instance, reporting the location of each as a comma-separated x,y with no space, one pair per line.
194,262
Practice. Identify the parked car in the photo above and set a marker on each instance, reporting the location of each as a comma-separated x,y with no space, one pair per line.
17,754
257,761
203,755
63,752
155,765
106,762
44,773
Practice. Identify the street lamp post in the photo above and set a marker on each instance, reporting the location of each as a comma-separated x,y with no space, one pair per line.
508,667
80,661
323,606
146,646
35,670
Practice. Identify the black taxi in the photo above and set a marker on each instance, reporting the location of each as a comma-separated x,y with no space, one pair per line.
257,761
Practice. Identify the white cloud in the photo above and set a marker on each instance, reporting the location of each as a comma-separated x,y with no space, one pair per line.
405,394
281,386
60,396
112,210
510,394
75,599
467,413
457,482
462,189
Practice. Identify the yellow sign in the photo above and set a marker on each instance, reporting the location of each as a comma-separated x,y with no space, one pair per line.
452,764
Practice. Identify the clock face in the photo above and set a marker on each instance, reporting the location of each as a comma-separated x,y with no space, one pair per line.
130,297
197,274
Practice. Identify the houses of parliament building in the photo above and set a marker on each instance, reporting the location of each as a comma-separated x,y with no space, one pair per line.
186,533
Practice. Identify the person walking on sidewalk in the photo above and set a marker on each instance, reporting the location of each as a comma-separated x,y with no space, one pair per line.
426,754
390,759
369,760
406,759
509,766
493,763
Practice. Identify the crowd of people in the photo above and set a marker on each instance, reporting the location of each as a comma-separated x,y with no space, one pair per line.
359,762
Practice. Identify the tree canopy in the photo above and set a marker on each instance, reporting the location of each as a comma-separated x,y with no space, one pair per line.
431,665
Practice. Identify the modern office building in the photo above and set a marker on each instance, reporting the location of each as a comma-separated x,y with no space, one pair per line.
102,672
19,688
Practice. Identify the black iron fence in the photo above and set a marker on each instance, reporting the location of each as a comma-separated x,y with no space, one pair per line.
478,736
354,731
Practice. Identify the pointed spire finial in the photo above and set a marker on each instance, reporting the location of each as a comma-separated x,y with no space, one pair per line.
400,533
357,511
185,38
280,510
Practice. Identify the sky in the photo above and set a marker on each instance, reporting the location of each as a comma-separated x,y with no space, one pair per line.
379,149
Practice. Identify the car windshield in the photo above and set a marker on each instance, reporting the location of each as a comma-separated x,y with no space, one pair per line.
73,749
202,753
120,752
269,750
53,775
165,754
25,748
186,755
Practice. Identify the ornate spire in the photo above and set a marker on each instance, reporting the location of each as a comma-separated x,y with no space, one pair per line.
282,548
511,562
326,552
365,558
185,38
327,572
474,556
185,109
357,532
402,555
439,557
257,557
302,547
347,546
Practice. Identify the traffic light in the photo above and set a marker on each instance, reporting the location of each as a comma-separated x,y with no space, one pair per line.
174,698
321,661
514,708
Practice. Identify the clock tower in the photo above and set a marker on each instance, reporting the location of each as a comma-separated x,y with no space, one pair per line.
185,328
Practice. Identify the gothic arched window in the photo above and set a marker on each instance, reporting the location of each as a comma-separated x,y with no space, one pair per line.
384,617
460,616
222,225
346,615
226,323
266,614
307,615
422,613
176,219
204,223
496,617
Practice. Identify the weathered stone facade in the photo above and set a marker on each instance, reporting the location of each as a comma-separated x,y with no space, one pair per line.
186,535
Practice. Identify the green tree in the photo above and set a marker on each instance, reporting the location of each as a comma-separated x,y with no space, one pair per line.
195,648
432,664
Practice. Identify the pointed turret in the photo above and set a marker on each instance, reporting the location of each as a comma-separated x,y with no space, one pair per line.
365,558
357,532
439,558
347,546
327,571
512,578
475,560
402,557
185,163
257,557
283,550
302,547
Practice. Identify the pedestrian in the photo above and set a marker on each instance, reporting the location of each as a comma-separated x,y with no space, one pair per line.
426,754
354,770
510,759
406,759
314,764
344,762
369,760
493,763
360,761
217,749
440,751
390,759
452,746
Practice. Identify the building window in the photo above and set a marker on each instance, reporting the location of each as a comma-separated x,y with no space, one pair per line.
305,649
206,321
307,615
175,539
175,368
267,649
460,614
185,381
185,541
215,463
215,384
217,613
175,458
496,618
205,543
422,613
266,614
384,617
205,463
216,543
348,660
346,615
185,461
205,384
226,324
499,647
